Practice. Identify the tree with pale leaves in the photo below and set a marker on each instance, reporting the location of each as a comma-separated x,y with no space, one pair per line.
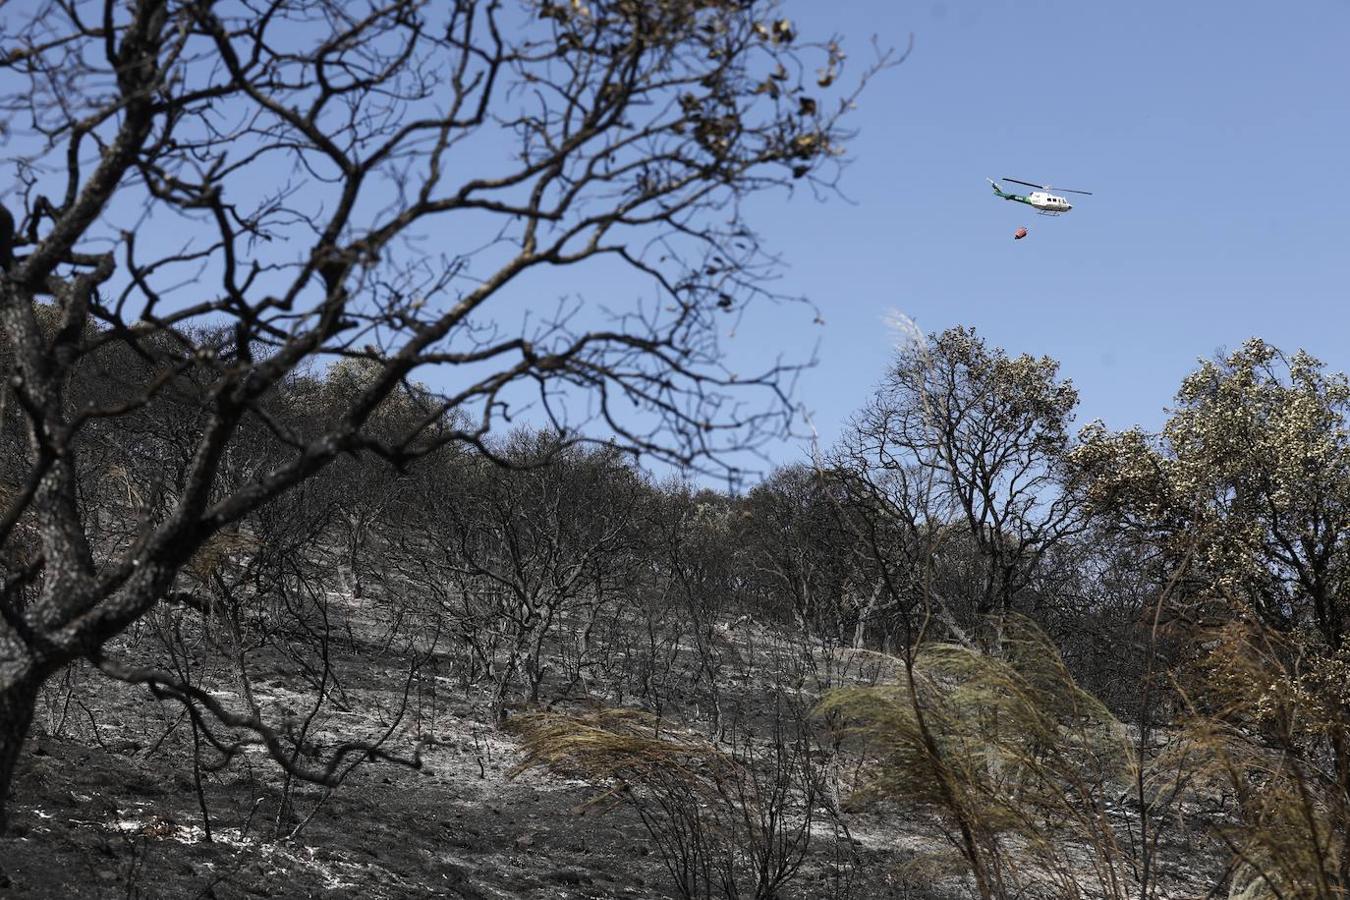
1243,501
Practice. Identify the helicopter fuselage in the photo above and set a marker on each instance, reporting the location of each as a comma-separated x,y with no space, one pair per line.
1047,202
1043,201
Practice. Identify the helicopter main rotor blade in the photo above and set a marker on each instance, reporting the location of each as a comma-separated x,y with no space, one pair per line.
1046,187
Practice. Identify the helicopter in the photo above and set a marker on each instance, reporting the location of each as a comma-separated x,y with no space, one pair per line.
1046,203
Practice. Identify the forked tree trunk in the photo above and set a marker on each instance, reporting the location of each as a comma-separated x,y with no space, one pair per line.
17,702
860,629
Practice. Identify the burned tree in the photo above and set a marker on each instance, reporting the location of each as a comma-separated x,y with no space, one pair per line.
963,444
233,194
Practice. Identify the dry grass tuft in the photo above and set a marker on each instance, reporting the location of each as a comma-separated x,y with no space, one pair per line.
620,747
727,823
1269,727
1014,762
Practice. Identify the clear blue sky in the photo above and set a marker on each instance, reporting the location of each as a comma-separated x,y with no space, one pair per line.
1215,135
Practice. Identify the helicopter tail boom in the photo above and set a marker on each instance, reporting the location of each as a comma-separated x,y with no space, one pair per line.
1000,192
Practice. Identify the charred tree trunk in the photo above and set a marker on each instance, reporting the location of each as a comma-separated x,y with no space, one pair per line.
17,702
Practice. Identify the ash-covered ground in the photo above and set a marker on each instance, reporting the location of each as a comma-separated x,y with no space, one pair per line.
110,804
